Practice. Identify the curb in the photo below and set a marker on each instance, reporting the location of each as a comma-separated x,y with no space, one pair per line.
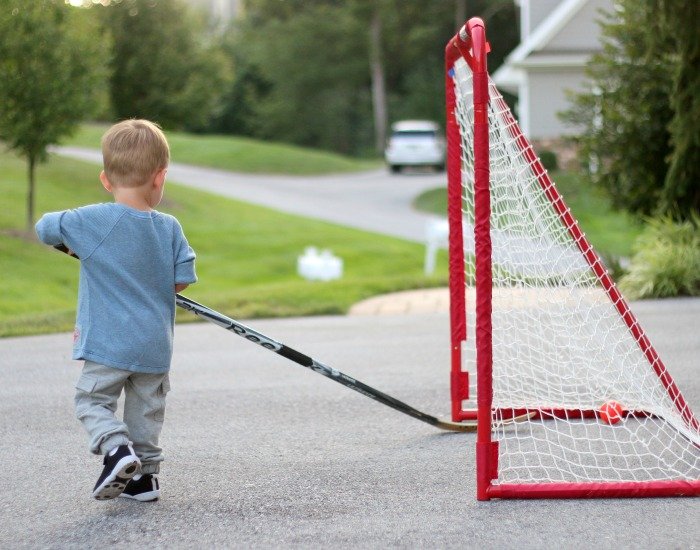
427,300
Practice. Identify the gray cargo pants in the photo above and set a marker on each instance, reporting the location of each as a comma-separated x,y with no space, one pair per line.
97,392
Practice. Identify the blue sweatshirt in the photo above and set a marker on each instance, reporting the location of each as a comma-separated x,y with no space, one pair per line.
130,262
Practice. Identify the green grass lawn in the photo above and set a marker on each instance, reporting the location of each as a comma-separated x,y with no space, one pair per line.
611,232
246,259
246,254
239,154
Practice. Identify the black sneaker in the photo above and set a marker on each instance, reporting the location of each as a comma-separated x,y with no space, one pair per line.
144,488
121,464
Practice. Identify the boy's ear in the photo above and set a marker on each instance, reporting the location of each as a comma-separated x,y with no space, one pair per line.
159,179
105,182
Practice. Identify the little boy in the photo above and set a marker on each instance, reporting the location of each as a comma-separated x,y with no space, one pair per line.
133,260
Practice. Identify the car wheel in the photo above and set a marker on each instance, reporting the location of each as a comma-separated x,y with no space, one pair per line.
395,168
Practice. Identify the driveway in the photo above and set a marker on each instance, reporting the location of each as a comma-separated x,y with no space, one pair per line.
261,453
374,201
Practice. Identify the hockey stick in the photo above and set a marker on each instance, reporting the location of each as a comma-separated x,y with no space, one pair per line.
316,366
305,361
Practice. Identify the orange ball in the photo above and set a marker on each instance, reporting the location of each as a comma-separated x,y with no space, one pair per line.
610,412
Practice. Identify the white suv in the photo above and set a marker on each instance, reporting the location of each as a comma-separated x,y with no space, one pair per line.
415,143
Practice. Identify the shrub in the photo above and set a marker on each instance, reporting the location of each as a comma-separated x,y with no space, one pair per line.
614,264
666,260
549,160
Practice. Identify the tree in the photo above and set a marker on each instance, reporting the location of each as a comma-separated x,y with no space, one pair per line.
332,74
313,57
639,117
51,64
163,67
376,62
681,191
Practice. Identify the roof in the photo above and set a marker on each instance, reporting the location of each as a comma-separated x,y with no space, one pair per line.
509,75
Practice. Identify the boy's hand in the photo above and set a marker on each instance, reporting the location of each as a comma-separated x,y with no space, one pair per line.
180,287
63,248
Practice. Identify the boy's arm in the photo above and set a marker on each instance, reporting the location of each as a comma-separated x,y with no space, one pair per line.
48,228
184,260
78,230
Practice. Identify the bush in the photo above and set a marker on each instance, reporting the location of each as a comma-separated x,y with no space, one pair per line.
666,260
614,264
549,160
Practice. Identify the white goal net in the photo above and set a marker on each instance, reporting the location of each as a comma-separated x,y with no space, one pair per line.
562,346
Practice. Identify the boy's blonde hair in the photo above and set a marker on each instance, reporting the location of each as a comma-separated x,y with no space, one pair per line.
132,151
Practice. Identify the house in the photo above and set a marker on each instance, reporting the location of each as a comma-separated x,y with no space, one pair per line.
558,38
221,11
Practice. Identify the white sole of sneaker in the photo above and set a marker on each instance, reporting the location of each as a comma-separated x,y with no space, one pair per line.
115,483
142,497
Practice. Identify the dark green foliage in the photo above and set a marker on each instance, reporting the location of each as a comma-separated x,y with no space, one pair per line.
549,159
626,112
302,68
51,73
666,260
237,114
312,67
640,116
681,193
162,68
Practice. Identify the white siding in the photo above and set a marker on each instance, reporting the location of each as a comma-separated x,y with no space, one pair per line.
558,37
545,98
221,10
582,33
533,13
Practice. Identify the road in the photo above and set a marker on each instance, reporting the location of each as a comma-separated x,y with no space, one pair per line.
375,201
262,453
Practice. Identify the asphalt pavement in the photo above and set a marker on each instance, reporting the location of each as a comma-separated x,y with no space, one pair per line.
262,453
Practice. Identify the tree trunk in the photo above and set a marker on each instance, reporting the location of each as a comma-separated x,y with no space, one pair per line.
31,165
460,13
378,87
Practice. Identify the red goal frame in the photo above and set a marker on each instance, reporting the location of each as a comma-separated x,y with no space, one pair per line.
471,45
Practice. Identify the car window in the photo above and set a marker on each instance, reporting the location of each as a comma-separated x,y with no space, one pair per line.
414,133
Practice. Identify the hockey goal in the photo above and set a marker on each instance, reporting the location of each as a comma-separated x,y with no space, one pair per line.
539,327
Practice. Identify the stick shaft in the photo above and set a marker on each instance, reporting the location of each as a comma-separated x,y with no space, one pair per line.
305,361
